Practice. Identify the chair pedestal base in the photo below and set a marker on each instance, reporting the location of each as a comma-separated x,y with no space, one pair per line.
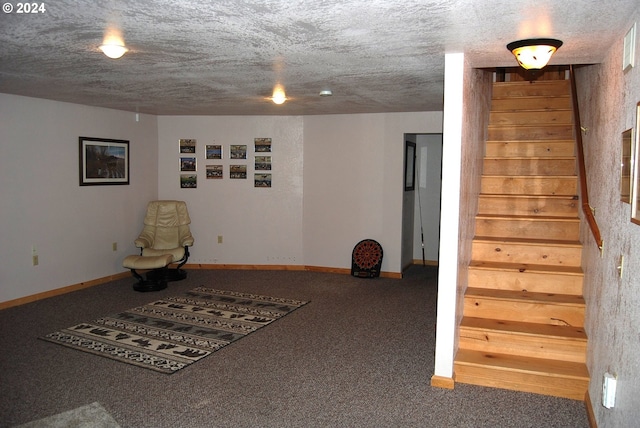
156,278
167,275
147,285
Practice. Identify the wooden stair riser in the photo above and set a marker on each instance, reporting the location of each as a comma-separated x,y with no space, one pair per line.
529,185
506,118
528,205
555,348
530,103
529,228
515,252
526,89
530,132
534,282
574,389
529,166
530,148
523,311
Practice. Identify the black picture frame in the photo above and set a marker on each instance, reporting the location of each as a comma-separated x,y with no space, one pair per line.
103,161
409,165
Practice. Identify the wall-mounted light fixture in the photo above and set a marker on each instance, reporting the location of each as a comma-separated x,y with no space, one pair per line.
278,97
534,54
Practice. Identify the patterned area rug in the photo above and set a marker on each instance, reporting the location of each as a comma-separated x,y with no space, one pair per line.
90,416
169,334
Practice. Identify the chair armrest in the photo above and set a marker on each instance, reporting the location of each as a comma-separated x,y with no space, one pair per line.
186,241
142,242
146,238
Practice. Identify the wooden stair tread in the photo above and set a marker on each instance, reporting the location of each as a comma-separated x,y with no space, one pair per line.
514,363
548,177
524,328
527,196
527,217
534,141
555,82
533,297
530,158
517,97
529,241
531,125
532,268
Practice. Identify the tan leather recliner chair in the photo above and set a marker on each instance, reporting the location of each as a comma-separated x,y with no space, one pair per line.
165,239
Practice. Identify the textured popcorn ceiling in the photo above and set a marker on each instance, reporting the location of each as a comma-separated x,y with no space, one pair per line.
224,56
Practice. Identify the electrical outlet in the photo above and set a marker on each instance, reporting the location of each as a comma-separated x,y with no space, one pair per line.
34,260
219,239
114,246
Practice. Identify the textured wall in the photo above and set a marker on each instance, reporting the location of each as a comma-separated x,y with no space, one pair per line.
607,99
477,106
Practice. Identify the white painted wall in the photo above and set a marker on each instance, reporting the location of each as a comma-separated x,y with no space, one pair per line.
336,180
450,203
71,227
466,117
354,182
259,226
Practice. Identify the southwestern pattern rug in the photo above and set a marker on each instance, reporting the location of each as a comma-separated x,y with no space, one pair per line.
169,334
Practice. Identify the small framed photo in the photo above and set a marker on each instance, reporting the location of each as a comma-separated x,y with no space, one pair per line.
262,144
238,151
635,172
188,163
103,161
187,145
263,163
626,164
238,171
214,171
214,151
409,165
262,180
188,181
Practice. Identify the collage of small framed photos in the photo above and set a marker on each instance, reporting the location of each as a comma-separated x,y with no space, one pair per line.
237,162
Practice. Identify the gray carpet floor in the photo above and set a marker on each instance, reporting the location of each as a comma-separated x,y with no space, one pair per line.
360,354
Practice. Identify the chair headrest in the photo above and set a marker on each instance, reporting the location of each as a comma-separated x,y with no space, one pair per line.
167,214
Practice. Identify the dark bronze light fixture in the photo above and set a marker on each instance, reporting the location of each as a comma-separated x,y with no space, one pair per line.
534,54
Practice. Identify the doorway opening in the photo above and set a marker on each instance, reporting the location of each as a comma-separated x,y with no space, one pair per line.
421,206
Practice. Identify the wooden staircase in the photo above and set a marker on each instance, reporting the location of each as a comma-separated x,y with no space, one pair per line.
523,322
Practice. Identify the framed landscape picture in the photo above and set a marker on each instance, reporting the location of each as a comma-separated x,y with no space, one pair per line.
214,151
187,145
103,161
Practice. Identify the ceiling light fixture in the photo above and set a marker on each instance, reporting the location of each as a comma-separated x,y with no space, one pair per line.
326,93
278,97
114,51
534,54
